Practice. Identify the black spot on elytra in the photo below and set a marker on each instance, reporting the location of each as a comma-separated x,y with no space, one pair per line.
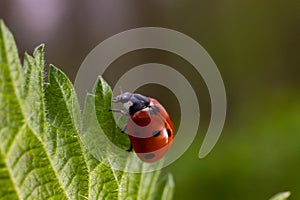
154,110
136,133
156,133
169,132
149,156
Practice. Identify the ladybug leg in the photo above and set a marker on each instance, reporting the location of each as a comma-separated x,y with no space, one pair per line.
130,148
119,111
124,129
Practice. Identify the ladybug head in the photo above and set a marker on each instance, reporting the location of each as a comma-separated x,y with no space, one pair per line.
132,102
123,98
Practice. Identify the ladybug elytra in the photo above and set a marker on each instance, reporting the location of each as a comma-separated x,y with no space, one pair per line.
150,129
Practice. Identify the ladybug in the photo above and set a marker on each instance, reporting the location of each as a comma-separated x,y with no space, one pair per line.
149,127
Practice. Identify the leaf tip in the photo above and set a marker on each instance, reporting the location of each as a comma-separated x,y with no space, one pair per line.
52,71
3,26
2,23
39,49
27,58
101,85
52,68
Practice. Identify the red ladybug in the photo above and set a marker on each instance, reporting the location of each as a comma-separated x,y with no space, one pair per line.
149,126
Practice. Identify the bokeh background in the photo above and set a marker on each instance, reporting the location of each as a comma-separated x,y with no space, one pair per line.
255,44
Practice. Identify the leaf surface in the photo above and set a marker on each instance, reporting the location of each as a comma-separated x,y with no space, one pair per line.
42,154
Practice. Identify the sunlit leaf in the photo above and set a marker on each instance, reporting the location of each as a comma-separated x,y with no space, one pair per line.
41,153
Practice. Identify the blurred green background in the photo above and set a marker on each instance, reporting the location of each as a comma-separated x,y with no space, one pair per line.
255,44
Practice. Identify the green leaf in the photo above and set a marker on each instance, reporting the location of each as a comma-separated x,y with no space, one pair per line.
104,180
24,155
103,99
61,137
6,182
138,185
281,196
33,89
165,188
42,137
